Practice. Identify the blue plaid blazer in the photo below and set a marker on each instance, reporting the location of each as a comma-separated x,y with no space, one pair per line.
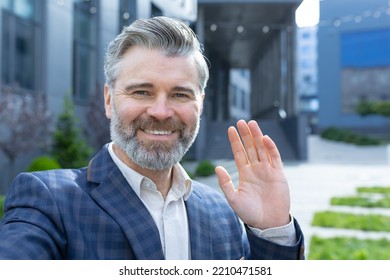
92,213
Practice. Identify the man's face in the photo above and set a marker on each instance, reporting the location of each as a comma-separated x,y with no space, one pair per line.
155,108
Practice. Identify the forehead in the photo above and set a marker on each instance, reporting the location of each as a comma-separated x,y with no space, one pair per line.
139,62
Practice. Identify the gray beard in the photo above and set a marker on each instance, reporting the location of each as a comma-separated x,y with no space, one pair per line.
155,155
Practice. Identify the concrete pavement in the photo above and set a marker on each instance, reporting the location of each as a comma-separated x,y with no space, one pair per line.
332,169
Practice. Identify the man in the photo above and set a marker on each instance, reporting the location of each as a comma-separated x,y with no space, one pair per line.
134,200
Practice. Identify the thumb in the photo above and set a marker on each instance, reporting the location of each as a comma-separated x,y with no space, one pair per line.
225,182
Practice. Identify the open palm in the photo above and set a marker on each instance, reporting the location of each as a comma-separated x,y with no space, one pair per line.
262,198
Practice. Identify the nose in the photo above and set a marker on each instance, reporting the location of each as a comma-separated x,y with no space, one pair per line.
161,108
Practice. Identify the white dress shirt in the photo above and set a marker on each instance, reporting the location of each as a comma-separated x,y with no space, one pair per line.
170,215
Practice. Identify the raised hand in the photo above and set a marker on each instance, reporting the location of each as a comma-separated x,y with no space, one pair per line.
262,198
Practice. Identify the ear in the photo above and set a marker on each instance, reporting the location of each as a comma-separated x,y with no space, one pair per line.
107,101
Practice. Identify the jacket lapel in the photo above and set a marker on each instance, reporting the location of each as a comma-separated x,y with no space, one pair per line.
200,229
114,194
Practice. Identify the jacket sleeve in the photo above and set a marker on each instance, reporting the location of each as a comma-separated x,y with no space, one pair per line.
262,249
31,227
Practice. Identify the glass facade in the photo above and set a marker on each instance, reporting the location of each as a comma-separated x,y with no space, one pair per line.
21,44
84,48
127,10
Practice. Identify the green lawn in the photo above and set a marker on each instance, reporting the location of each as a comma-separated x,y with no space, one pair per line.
369,222
375,196
347,248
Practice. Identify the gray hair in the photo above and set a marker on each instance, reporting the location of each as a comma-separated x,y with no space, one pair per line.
170,36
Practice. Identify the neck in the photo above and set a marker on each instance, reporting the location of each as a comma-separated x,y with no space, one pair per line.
161,178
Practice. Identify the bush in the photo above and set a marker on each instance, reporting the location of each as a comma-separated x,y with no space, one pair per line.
43,163
205,168
342,135
365,108
69,148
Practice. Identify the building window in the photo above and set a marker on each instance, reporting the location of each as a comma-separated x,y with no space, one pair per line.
127,10
21,39
84,48
243,100
156,11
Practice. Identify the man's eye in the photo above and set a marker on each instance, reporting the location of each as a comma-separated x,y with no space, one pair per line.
140,93
181,95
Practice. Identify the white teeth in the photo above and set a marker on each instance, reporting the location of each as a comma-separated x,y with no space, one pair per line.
159,132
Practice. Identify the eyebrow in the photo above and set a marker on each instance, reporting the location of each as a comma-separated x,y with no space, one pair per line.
149,85
185,89
140,85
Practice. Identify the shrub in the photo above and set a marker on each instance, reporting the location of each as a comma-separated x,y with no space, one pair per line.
365,108
69,148
43,163
205,168
342,135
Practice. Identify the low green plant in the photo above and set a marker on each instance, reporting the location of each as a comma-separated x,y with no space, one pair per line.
362,201
365,222
365,108
205,168
348,248
346,136
2,198
375,196
43,163
374,189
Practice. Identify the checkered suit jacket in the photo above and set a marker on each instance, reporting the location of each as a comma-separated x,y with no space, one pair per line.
92,213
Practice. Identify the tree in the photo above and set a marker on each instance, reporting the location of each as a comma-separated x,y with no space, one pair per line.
25,123
98,128
69,149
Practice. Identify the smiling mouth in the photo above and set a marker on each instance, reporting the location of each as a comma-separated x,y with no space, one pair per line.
159,132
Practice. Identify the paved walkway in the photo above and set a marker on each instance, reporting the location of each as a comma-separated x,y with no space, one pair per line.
332,169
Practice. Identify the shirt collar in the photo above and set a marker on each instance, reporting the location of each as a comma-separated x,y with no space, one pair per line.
181,182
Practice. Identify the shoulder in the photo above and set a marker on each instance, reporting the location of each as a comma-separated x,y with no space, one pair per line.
51,177
53,181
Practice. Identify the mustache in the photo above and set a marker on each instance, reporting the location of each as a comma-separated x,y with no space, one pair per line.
151,123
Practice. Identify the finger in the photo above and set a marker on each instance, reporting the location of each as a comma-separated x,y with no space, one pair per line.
225,182
248,141
238,150
257,135
273,152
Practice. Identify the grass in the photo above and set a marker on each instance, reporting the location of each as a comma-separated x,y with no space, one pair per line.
369,222
374,189
347,248
369,197
360,201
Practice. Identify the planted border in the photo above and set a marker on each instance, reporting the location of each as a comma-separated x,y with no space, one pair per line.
369,222
347,248
369,197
